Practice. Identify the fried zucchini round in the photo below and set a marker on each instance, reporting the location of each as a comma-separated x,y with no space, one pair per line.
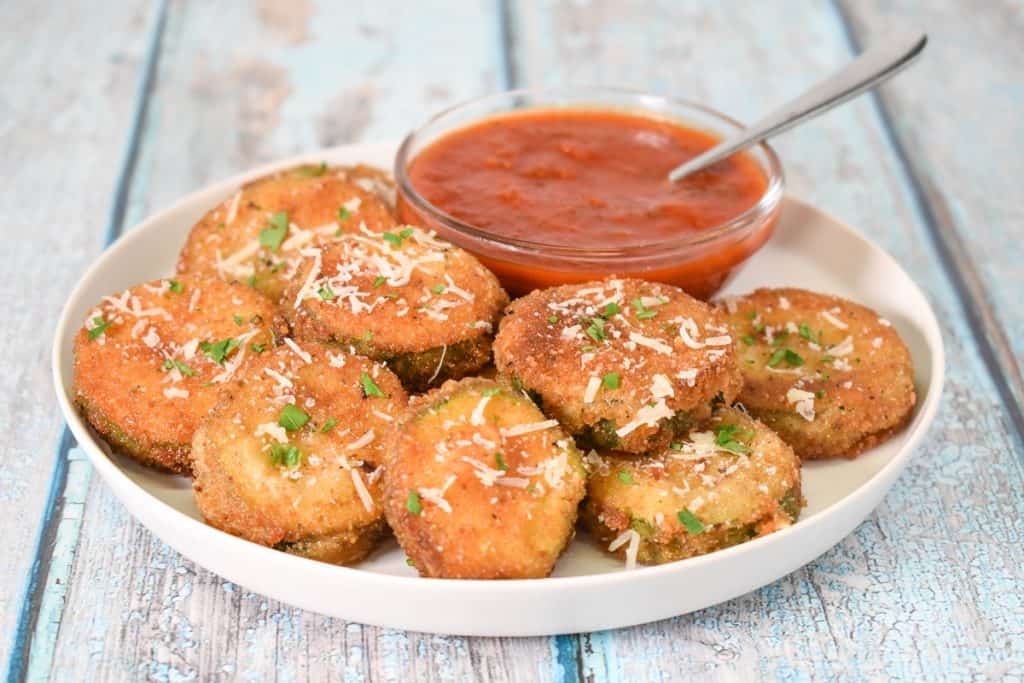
728,482
256,235
830,376
622,364
479,484
289,456
150,361
371,179
422,305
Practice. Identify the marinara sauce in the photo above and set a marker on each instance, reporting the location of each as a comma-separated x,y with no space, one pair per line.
588,179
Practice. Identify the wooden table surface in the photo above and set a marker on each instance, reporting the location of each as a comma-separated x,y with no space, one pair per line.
111,111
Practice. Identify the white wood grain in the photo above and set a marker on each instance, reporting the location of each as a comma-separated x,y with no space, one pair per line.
930,585
235,88
66,101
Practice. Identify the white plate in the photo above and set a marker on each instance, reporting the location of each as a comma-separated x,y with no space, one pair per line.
589,590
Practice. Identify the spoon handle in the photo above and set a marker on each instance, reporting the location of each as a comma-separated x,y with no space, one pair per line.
873,67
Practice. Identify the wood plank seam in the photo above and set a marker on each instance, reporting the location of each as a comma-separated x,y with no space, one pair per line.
53,515
988,334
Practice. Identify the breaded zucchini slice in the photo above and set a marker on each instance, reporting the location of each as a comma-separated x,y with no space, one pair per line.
373,180
623,364
289,456
478,484
830,376
149,361
728,481
256,235
422,305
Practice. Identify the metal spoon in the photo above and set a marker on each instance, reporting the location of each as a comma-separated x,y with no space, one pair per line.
872,68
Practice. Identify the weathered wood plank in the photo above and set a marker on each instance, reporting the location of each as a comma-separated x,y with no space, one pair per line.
928,585
66,103
957,115
236,86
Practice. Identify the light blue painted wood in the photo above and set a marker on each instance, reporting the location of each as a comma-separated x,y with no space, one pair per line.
931,584
65,101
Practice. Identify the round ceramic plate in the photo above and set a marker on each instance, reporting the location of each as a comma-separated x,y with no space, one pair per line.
589,590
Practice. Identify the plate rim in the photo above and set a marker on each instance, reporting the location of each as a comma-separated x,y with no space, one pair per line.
201,532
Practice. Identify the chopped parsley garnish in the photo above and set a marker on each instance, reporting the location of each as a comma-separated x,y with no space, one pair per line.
610,380
690,521
676,446
314,171
819,394
395,240
101,327
238,319
792,358
367,336
285,454
378,281
596,329
642,312
258,348
438,288
409,562
218,351
827,358
725,437
412,503
170,364
752,315
748,340
328,426
490,392
552,319
806,333
326,293
610,310
292,417
626,478
251,280
175,286
342,215
272,235
500,462
370,387
780,338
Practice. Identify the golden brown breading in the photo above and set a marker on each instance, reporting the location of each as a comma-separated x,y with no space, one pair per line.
423,306
289,455
829,375
731,480
256,235
478,484
150,361
621,363
371,179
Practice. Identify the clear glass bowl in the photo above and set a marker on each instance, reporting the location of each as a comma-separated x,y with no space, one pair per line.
700,263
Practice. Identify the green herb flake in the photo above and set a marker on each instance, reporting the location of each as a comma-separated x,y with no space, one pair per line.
642,312
610,380
238,319
395,240
748,340
170,364
438,288
218,351
553,319
272,236
328,426
610,310
292,417
806,333
412,502
251,280
490,392
285,454
690,521
780,338
725,437
343,215
101,326
367,336
626,478
326,293
596,330
378,281
175,286
314,171
409,562
370,387
500,462
258,348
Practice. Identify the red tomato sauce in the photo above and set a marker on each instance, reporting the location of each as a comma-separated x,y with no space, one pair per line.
583,178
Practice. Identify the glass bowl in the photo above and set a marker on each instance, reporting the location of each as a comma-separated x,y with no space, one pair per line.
698,262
